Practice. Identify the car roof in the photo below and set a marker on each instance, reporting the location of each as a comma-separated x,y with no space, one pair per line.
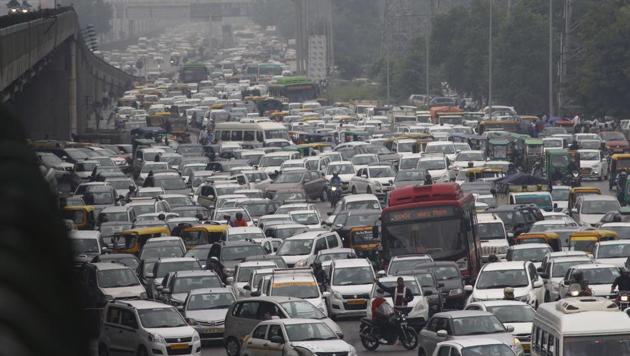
571,259
593,266
243,229
163,238
115,209
104,266
143,304
488,218
195,273
210,291
529,246
614,242
495,303
352,262
260,263
590,197
461,314
307,235
394,278
359,197
176,259
336,250
499,266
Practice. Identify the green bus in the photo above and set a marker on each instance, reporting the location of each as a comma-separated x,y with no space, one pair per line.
296,89
193,73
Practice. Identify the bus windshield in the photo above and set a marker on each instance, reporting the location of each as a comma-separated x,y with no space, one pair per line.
438,238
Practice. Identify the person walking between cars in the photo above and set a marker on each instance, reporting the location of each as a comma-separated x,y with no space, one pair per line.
401,295
320,275
149,182
131,193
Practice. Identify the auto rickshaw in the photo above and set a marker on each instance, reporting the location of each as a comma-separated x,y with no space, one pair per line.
157,119
484,174
499,149
533,152
575,192
618,162
203,234
559,165
82,216
550,238
131,241
363,238
586,240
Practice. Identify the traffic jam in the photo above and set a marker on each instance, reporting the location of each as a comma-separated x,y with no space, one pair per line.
237,212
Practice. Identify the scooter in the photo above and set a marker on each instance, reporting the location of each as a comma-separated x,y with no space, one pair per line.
372,337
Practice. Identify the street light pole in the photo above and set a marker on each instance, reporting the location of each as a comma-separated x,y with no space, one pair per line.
550,59
490,62
427,36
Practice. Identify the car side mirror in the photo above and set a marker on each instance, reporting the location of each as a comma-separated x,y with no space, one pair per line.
326,294
574,211
277,339
427,292
468,288
180,308
104,249
364,176
510,328
246,287
544,275
442,333
381,274
230,280
165,291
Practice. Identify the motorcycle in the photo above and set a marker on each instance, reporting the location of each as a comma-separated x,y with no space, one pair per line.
334,194
572,180
623,299
372,337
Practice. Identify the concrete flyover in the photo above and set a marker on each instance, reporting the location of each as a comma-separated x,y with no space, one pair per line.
50,79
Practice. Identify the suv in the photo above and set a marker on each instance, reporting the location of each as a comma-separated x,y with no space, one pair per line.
245,314
520,275
139,327
230,253
517,218
313,184
351,281
297,250
492,235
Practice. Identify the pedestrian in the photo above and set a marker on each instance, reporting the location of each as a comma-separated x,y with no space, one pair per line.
149,181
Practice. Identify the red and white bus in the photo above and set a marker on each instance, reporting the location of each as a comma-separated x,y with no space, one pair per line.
438,220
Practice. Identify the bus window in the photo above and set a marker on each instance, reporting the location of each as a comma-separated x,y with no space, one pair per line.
225,135
248,136
237,135
259,136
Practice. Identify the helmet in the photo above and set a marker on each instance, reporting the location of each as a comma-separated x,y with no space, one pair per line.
132,187
508,292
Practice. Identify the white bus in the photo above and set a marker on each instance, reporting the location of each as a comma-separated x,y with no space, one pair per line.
256,132
580,326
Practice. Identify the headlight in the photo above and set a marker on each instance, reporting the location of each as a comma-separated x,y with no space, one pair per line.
624,298
196,337
419,306
456,291
333,189
353,351
157,338
301,263
516,346
337,295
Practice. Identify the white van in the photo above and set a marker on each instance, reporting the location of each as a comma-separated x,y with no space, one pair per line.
296,250
580,326
492,235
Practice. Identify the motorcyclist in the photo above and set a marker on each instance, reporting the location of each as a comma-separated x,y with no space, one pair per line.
623,281
381,313
320,275
427,179
149,182
335,180
131,193
578,279
401,295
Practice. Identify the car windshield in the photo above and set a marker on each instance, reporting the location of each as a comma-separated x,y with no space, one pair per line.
362,220
302,310
117,278
613,251
408,163
295,247
309,332
446,149
381,172
340,168
289,196
80,246
407,264
120,184
478,325
186,284
597,345
155,252
491,231
515,278
612,135
443,273
482,350
604,275
50,159
245,236
363,204
161,318
432,164
114,216
99,198
226,189
560,268
165,268
244,273
259,208
364,160
200,253
529,254
272,161
560,194
599,206
352,276
305,218
232,253
513,313
541,200
140,209
210,301
287,232
290,177
410,176
470,156
589,156
170,183
178,201
256,177
304,290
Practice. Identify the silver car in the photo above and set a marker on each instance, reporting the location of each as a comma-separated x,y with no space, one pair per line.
465,324
245,314
205,310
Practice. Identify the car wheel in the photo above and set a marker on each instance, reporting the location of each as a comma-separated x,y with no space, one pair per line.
102,350
368,190
421,352
354,190
142,351
232,347
323,196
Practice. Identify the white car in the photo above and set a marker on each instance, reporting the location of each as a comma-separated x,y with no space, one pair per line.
354,202
148,328
296,250
590,208
592,165
245,233
242,274
518,315
520,275
534,252
404,263
294,337
344,169
308,218
492,235
351,282
363,160
373,180
554,271
599,277
473,346
436,166
560,196
446,148
296,282
419,313
464,158
612,252
205,310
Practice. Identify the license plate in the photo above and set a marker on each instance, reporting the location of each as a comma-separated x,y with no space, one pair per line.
356,301
178,346
526,347
212,331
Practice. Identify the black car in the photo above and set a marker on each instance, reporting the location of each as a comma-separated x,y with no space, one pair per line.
279,261
126,259
450,282
200,252
225,255
517,219
428,282
346,221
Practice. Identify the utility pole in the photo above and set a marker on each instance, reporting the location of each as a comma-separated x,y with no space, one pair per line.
427,49
550,59
490,59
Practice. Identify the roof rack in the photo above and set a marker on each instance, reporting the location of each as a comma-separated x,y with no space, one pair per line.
584,304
